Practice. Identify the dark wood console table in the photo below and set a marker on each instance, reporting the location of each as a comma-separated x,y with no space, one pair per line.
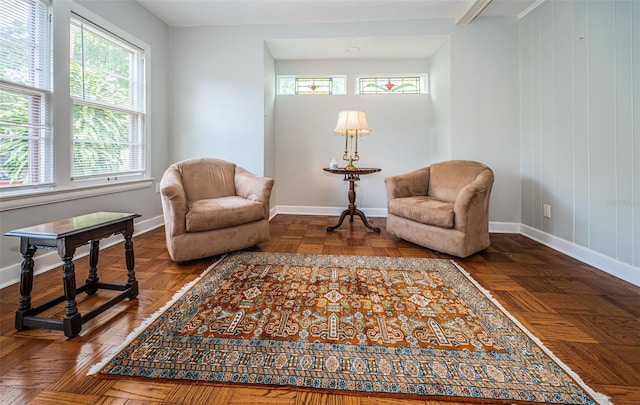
352,176
65,236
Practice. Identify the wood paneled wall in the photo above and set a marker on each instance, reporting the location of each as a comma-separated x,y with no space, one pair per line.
580,123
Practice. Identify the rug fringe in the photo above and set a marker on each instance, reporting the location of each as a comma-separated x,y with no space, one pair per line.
95,369
600,398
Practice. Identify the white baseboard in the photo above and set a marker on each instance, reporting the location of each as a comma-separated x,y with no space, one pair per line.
333,211
497,227
50,260
504,227
605,263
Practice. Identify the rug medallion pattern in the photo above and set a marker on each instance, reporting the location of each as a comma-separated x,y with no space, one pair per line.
411,326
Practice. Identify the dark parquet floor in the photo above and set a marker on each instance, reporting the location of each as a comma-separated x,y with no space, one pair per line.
589,319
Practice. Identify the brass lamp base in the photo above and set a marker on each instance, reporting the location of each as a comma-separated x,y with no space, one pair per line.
350,166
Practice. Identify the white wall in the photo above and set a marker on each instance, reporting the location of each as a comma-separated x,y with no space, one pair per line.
440,92
218,98
138,21
218,104
580,125
485,108
269,120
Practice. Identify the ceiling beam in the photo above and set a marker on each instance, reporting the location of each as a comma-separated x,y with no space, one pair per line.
529,9
472,11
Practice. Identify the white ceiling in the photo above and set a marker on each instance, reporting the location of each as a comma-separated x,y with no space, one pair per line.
398,47
189,13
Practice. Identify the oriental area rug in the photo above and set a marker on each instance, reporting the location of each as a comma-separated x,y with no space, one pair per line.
400,327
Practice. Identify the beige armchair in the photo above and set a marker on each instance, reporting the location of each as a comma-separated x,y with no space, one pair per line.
443,207
212,206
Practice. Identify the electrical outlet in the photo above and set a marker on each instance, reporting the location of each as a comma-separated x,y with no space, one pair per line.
546,210
157,188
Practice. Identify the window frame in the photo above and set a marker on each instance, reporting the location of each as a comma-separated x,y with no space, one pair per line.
137,111
40,96
64,187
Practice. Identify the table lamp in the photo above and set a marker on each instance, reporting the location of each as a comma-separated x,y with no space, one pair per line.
351,124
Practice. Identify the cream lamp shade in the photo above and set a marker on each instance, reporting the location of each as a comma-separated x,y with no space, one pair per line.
351,124
352,120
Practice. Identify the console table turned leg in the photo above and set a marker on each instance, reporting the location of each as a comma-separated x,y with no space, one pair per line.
92,280
72,322
131,274
26,284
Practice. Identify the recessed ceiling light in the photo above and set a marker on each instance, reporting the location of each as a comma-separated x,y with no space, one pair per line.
353,49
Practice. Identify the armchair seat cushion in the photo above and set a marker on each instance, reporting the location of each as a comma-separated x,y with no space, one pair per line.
423,209
222,212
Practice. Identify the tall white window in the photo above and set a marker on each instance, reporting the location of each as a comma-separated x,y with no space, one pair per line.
26,134
107,90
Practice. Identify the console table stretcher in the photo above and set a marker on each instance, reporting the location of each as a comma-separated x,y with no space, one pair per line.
65,236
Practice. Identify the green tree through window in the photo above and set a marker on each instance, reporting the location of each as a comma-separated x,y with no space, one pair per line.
26,149
108,104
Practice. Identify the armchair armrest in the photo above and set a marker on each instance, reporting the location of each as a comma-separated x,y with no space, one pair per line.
174,202
254,187
408,184
471,208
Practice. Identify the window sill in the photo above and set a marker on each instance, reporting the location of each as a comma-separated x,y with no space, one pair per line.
42,197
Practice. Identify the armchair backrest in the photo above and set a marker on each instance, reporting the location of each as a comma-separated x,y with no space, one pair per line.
448,178
204,178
